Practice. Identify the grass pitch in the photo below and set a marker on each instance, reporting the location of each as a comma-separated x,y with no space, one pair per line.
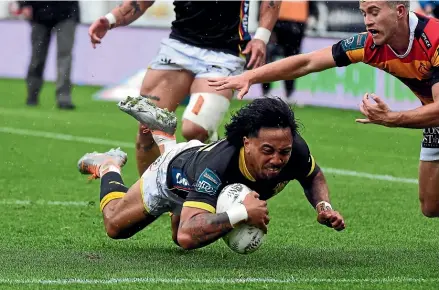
53,236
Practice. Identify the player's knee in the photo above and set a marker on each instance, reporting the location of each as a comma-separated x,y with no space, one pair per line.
203,115
113,230
192,131
430,208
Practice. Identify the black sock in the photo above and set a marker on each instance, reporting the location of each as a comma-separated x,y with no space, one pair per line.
112,187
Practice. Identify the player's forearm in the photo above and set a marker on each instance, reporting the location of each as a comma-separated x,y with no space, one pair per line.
203,229
269,13
316,189
285,69
130,11
419,118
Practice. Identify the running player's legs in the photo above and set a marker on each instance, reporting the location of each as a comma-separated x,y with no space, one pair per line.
207,106
429,187
166,88
206,110
429,173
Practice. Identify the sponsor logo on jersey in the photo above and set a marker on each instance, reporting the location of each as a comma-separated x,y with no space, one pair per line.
431,138
354,42
426,40
208,182
179,180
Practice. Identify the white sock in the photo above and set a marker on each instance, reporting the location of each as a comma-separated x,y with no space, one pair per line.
109,167
164,141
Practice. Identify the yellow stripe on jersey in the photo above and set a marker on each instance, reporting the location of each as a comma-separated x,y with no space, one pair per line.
200,205
109,197
143,195
243,166
313,165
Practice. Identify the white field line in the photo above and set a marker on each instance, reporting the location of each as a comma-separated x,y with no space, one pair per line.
43,202
369,175
98,141
65,137
389,280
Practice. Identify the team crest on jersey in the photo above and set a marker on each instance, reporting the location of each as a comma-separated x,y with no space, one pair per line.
208,182
354,42
280,186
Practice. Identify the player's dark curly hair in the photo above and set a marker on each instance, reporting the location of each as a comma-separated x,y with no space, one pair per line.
267,112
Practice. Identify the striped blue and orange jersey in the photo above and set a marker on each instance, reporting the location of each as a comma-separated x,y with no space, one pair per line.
216,25
418,70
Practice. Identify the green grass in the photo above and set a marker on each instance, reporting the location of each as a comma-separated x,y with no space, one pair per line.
386,243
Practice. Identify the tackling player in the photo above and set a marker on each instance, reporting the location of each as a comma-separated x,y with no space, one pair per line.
263,150
402,43
208,39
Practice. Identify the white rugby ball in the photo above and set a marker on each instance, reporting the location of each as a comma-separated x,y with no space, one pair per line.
243,239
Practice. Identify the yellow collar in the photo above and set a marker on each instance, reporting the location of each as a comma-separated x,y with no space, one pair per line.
243,167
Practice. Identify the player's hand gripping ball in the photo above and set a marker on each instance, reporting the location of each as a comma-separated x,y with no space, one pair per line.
244,238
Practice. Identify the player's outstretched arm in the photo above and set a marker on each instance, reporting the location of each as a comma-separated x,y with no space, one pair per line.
289,68
377,112
129,11
122,15
317,193
199,227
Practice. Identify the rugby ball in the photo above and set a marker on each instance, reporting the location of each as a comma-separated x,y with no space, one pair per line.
243,239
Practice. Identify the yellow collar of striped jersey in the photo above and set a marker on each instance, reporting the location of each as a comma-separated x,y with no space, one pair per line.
243,167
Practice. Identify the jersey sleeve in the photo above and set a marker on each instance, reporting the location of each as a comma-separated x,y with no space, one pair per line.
435,67
302,164
210,176
349,50
205,192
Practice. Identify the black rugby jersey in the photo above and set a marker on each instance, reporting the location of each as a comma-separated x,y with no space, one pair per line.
216,25
200,173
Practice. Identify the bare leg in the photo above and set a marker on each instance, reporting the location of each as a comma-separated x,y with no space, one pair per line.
191,130
126,216
123,209
429,188
147,150
167,89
